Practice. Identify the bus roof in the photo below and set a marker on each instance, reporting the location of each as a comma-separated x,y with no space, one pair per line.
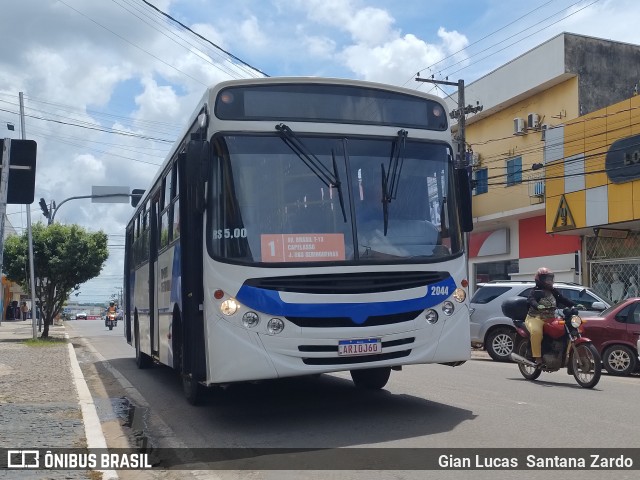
211,92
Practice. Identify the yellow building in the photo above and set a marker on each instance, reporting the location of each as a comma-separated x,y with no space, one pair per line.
593,189
10,291
516,148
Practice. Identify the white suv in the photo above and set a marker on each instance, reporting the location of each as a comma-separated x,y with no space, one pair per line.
495,332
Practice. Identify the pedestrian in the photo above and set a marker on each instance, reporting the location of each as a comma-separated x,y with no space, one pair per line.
38,316
25,311
13,311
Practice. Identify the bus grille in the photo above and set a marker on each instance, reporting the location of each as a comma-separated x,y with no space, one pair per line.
359,359
349,283
346,322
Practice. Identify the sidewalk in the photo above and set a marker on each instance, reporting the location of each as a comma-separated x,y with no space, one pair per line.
40,406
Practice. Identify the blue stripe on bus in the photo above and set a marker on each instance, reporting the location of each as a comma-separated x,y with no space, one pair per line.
176,276
269,302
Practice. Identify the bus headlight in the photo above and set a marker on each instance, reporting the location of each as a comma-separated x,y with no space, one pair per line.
448,308
229,306
459,295
431,316
275,326
250,319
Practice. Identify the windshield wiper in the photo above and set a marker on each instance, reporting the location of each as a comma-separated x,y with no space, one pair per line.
330,179
391,178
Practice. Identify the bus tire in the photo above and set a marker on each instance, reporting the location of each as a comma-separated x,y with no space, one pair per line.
142,359
371,378
192,389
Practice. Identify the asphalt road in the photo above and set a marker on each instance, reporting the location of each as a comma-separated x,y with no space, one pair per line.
481,404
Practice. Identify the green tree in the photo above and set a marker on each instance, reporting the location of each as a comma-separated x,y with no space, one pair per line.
64,257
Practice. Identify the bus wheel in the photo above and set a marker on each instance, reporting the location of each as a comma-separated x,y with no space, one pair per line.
192,389
142,359
371,378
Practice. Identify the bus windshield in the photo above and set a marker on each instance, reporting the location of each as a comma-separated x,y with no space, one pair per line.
331,199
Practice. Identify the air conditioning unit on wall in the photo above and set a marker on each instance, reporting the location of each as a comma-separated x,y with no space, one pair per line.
533,121
519,126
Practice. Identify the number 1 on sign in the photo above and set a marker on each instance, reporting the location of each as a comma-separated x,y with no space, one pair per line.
272,248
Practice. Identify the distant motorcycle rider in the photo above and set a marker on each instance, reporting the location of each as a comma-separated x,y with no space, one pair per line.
543,300
110,309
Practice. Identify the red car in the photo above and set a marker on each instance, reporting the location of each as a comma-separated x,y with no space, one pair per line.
616,334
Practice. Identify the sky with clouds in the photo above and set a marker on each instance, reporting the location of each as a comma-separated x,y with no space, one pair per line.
108,84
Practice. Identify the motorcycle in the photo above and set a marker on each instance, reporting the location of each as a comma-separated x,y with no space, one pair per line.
111,320
563,345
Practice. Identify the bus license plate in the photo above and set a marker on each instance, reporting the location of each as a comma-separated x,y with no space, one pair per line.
361,346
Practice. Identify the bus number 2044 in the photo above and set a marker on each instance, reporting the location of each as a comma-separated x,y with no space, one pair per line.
439,290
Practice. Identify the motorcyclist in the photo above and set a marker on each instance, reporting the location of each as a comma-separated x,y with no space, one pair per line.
543,300
110,309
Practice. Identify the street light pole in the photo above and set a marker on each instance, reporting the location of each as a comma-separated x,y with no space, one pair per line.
50,213
32,281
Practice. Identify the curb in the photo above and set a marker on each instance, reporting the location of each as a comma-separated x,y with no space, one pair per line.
92,427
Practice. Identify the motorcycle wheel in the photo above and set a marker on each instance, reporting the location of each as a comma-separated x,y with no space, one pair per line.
587,366
110,327
524,350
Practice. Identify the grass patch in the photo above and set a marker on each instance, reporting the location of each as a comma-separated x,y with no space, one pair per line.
45,342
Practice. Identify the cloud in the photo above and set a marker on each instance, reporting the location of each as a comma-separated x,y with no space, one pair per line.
377,50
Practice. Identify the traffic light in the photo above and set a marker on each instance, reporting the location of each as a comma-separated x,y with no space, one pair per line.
45,209
22,172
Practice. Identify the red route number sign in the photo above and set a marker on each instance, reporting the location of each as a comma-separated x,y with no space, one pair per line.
302,247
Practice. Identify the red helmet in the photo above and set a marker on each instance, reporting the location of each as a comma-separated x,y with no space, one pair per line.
544,276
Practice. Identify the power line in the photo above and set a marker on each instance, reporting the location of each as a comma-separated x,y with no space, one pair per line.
220,67
83,111
483,38
518,41
133,44
203,38
567,139
99,129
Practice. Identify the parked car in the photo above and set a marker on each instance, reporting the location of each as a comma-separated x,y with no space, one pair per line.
494,332
615,332
81,316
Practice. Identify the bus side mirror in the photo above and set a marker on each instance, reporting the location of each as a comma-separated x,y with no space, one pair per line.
463,183
197,169
136,196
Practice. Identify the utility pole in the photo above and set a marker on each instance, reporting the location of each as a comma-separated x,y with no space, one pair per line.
4,185
461,161
459,113
32,281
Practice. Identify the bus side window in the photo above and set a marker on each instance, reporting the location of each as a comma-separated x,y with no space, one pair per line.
165,200
164,228
167,190
176,219
173,220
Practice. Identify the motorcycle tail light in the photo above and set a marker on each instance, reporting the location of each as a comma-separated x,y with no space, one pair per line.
561,322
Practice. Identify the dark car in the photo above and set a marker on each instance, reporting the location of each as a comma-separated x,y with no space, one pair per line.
616,334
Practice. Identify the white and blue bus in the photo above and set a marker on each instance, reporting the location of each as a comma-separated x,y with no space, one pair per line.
302,226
